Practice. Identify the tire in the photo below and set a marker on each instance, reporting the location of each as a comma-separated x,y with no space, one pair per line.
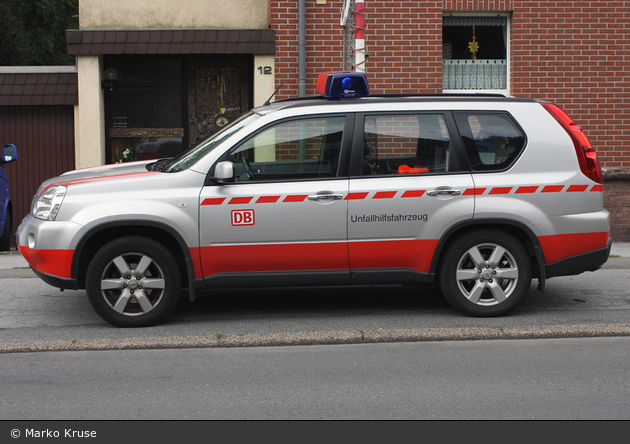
485,273
133,281
5,239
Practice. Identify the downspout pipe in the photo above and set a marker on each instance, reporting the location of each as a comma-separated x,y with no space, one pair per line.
302,48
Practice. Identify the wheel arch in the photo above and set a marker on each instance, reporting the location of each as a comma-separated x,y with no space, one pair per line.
519,230
162,233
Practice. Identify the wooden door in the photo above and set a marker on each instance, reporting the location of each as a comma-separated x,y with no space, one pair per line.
219,91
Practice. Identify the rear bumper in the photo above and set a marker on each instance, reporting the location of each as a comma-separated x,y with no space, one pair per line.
590,261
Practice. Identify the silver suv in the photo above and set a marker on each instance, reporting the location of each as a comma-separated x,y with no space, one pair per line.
477,193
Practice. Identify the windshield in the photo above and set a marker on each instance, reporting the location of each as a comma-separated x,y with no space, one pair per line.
187,159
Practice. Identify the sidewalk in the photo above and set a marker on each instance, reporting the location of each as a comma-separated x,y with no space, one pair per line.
620,249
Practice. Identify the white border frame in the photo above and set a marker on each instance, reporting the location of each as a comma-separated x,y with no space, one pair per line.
507,50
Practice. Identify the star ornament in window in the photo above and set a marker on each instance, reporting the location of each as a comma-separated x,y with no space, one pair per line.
473,47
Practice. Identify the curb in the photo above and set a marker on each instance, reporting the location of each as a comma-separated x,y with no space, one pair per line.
324,338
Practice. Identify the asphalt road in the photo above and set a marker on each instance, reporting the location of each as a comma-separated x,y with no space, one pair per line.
559,379
38,317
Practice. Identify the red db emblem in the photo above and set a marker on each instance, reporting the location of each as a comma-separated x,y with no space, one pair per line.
243,217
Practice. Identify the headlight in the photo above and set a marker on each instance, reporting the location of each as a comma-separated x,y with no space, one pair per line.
47,205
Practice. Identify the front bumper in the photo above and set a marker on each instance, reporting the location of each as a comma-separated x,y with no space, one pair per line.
47,247
58,282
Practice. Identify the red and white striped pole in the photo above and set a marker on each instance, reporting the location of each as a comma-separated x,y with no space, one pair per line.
359,39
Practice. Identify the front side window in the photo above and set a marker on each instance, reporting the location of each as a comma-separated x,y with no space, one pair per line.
298,149
405,144
475,53
492,140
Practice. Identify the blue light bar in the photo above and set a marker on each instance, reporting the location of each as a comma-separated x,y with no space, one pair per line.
334,85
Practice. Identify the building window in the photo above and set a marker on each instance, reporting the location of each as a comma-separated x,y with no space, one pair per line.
143,108
475,53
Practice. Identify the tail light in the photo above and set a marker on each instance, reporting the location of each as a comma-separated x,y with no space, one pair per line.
587,157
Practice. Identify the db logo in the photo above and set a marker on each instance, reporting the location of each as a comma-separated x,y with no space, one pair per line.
243,217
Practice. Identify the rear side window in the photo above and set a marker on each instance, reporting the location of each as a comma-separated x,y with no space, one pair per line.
493,141
405,144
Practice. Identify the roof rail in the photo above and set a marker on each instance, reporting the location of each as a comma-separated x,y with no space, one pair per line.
449,94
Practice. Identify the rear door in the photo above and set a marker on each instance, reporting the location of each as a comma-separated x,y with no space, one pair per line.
408,187
283,220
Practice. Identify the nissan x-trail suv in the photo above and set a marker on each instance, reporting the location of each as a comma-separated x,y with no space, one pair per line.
475,193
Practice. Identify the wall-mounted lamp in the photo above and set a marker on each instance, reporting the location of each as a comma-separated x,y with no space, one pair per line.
110,76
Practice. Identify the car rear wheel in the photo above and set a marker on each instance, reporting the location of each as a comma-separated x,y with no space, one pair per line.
485,273
133,281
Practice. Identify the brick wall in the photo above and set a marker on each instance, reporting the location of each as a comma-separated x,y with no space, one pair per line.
573,53
617,201
403,42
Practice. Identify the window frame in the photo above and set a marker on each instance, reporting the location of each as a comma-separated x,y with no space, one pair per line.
344,155
458,158
508,45
511,161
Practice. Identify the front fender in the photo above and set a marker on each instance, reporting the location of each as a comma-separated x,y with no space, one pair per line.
84,244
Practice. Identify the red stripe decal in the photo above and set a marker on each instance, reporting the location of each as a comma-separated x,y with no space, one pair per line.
577,188
474,191
501,190
597,188
213,201
413,193
295,198
52,262
413,254
268,199
384,195
560,246
552,189
277,257
240,200
101,178
196,260
356,196
526,190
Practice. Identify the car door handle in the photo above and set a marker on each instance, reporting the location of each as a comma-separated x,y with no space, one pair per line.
319,197
444,193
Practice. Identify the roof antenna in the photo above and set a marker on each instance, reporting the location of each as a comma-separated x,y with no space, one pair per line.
274,93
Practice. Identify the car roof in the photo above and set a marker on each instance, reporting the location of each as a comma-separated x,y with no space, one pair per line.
307,101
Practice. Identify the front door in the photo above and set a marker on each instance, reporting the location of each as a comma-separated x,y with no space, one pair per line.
218,93
283,220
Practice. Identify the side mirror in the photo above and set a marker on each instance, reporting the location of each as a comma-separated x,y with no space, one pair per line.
224,171
9,154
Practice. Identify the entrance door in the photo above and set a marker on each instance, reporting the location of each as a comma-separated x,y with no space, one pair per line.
218,93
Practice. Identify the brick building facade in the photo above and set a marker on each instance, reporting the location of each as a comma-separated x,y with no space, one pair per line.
571,53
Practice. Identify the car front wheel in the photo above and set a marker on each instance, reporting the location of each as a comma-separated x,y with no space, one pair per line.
485,273
133,281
